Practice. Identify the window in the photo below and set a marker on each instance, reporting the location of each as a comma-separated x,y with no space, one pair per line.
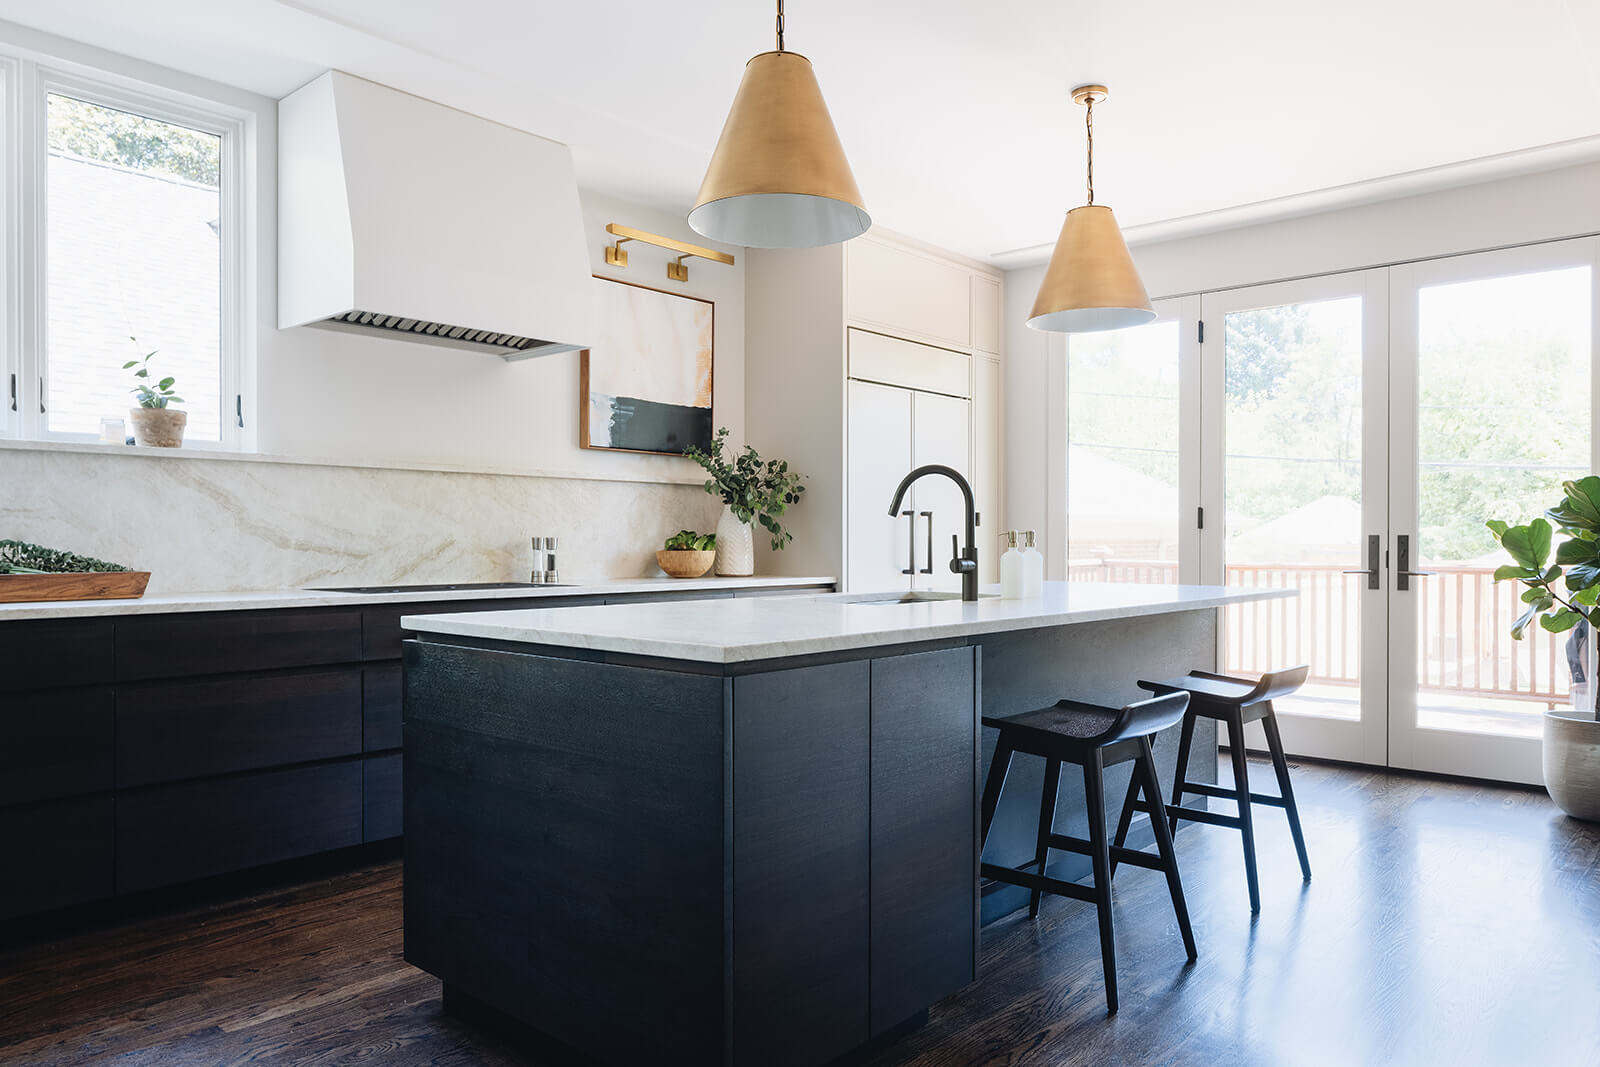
132,244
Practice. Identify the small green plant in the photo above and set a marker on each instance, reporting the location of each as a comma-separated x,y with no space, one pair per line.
1576,562
755,489
20,557
158,395
689,541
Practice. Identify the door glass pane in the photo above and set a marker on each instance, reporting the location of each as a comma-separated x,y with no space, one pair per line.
1504,418
1122,455
1292,496
135,219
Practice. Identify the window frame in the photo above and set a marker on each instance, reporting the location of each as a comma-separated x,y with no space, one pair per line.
25,85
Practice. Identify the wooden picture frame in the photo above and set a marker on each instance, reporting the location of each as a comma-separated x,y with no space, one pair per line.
648,384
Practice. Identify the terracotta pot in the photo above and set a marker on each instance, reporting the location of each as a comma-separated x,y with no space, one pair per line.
685,562
158,427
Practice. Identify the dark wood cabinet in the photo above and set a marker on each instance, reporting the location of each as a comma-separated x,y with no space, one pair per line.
924,831
54,653
167,731
227,642
55,743
55,854
380,797
176,833
380,706
801,799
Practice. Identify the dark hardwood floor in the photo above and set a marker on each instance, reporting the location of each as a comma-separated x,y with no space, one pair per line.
1448,924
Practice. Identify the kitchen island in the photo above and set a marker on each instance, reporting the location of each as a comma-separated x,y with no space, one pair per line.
746,831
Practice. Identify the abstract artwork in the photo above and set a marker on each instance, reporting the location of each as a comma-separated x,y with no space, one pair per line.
646,381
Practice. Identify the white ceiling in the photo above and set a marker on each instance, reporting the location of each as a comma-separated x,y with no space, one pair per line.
954,113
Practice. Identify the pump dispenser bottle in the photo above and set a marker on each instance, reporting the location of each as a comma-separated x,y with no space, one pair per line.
1011,569
1032,568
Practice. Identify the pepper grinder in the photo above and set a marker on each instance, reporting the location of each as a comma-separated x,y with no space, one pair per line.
552,576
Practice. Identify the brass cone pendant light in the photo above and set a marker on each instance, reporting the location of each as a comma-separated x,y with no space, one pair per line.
1091,283
779,177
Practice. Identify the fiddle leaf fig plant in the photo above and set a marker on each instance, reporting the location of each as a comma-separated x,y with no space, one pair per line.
1575,564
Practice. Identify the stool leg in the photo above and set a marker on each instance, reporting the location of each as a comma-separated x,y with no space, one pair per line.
1099,855
1241,787
1145,771
1181,775
996,781
1126,820
1269,723
1047,825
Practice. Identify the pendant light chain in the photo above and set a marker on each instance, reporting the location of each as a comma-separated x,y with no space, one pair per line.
1088,122
780,25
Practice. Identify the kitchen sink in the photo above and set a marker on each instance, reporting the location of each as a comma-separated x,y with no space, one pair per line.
446,587
916,596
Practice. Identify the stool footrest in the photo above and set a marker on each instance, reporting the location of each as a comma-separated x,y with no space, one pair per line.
1206,789
1213,818
1135,858
1042,883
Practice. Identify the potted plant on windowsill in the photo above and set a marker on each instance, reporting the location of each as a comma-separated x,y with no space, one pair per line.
751,490
1563,591
155,424
687,554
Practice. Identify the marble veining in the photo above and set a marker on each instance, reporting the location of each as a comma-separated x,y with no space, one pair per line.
219,526
742,631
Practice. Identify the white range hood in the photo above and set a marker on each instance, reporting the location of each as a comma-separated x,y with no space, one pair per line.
405,218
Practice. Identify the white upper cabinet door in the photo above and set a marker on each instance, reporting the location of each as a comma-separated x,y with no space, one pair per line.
986,465
891,361
908,293
878,548
940,434
985,313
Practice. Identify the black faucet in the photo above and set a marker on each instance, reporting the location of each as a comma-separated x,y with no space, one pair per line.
965,561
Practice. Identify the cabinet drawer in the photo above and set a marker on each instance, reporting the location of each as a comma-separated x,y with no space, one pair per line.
55,855
174,646
380,797
48,653
174,833
56,744
380,625
172,730
381,703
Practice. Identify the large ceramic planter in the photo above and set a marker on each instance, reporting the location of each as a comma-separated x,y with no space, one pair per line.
1572,763
158,427
736,548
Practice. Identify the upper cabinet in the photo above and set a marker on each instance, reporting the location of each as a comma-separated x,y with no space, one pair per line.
900,289
985,313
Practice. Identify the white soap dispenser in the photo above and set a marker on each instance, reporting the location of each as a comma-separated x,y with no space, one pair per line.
1011,568
1032,568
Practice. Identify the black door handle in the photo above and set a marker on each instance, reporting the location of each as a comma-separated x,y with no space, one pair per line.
911,540
1402,564
929,568
1371,572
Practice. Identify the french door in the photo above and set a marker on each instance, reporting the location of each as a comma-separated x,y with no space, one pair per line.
1357,432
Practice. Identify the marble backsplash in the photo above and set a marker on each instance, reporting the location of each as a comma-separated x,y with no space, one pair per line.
210,525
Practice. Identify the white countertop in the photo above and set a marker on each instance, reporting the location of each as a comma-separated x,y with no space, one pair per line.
309,598
740,631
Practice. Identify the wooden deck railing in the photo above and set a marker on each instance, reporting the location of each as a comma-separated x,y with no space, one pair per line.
1464,621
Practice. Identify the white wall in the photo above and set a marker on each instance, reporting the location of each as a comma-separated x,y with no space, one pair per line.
1546,206
343,407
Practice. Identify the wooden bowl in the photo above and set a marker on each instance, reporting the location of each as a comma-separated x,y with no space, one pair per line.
685,563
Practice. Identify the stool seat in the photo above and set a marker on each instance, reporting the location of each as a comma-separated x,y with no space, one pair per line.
1234,702
1093,737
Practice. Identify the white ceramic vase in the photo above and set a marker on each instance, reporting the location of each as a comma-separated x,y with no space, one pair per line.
736,549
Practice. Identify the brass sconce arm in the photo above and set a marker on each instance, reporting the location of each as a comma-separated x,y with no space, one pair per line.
677,270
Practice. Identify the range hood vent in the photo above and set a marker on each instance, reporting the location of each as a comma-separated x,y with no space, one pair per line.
467,233
437,332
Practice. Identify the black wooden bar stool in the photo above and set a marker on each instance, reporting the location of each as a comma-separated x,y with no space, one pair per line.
1234,702
1094,738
